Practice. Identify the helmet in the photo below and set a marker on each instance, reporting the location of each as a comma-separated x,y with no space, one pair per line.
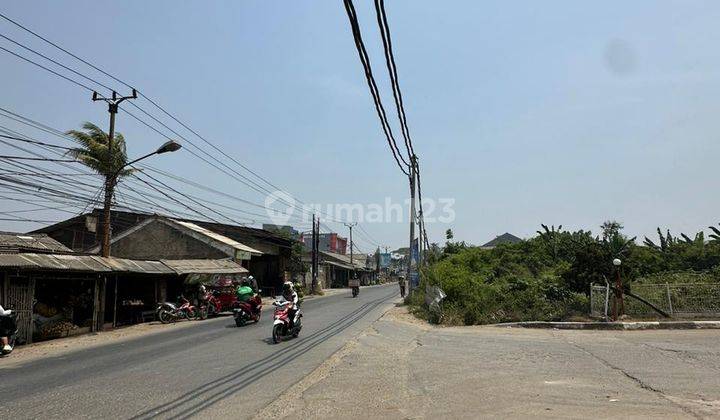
288,287
251,278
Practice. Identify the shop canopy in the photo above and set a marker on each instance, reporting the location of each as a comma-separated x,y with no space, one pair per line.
205,266
96,264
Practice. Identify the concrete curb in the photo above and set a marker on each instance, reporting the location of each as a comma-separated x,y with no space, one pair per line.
626,326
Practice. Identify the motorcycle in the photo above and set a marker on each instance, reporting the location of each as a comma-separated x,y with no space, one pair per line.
248,311
281,325
211,306
8,325
355,286
169,312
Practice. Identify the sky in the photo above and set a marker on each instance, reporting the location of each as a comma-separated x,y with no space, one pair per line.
556,112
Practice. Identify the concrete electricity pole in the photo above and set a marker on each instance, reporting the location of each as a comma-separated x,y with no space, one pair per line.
314,264
113,103
351,225
412,219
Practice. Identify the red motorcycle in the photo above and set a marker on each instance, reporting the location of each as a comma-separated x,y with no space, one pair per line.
169,312
248,311
281,326
211,305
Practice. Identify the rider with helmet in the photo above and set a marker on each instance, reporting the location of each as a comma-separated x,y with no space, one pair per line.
291,296
244,291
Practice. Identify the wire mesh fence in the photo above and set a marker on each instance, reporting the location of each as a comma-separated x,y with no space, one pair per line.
678,300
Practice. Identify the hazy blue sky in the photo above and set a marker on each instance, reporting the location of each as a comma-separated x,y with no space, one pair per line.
557,112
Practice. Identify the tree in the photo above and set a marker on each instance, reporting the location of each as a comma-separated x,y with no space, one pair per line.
610,228
550,237
715,236
93,151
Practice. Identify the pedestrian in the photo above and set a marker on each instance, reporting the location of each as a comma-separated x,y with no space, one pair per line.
401,283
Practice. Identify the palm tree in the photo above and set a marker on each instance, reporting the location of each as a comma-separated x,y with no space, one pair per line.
93,151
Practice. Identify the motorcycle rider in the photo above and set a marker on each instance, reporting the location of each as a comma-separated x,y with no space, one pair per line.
4,340
291,296
253,284
245,292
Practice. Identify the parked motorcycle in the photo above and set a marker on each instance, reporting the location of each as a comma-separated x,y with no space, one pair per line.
248,311
9,329
169,312
211,305
281,326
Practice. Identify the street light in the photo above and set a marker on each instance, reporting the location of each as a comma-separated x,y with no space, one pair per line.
169,146
619,301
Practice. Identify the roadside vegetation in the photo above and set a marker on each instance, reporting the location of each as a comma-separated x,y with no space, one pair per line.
548,276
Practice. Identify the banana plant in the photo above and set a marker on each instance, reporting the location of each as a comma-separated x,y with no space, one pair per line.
550,236
715,236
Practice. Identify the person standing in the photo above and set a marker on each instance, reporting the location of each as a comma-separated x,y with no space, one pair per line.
401,283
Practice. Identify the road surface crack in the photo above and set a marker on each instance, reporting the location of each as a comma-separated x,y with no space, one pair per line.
642,384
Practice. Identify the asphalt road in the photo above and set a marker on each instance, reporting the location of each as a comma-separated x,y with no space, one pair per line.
404,369
209,370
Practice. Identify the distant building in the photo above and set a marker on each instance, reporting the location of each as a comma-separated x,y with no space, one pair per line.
505,238
329,242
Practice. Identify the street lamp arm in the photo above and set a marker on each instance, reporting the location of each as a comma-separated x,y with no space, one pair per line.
169,146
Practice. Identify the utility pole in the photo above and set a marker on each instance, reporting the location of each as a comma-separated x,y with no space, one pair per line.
412,219
421,243
351,225
314,260
110,177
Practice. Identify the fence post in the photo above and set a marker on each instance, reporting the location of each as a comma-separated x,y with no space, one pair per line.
607,298
667,289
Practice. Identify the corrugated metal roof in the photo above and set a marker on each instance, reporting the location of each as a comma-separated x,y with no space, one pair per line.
205,266
218,237
138,266
341,260
95,264
29,241
83,263
338,264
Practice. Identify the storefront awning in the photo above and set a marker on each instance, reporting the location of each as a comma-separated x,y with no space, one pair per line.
95,264
81,263
205,266
138,266
339,265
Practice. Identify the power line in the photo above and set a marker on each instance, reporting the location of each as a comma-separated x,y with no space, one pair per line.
56,62
34,142
365,61
35,158
47,69
392,70
247,180
131,87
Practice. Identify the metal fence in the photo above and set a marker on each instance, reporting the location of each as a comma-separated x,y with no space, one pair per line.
678,300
